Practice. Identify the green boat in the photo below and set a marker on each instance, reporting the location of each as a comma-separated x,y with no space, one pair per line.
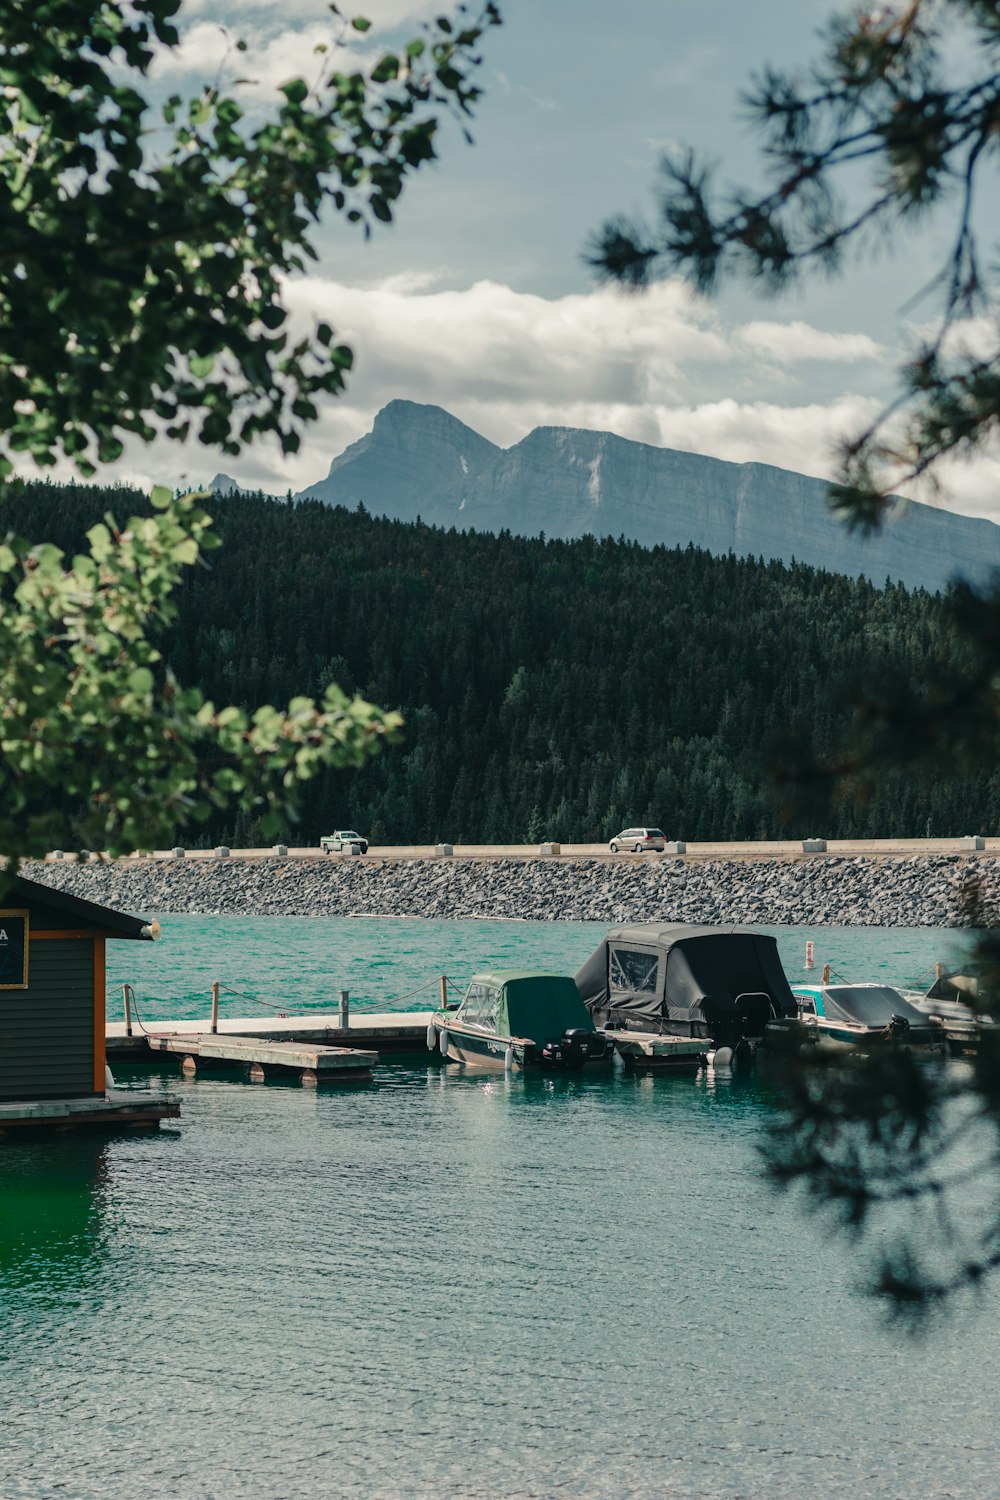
515,1020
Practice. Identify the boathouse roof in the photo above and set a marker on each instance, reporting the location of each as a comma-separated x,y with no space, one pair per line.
63,910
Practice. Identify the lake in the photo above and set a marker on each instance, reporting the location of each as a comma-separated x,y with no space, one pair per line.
456,1286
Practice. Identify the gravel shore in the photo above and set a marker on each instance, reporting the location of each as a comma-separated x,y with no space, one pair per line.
916,891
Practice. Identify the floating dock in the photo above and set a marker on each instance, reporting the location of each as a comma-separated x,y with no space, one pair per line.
400,1031
117,1109
642,1053
261,1058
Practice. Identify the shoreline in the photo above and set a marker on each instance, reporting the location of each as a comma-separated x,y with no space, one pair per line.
869,890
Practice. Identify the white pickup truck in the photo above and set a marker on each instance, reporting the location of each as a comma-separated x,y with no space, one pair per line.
342,838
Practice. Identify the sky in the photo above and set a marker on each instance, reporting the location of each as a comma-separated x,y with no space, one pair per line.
478,297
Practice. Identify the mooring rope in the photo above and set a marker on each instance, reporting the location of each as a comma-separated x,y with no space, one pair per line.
135,1006
255,999
270,1005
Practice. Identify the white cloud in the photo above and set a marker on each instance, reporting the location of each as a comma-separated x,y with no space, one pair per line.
382,13
488,342
797,342
207,49
663,368
281,41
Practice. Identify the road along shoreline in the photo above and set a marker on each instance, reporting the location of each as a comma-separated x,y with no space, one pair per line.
913,890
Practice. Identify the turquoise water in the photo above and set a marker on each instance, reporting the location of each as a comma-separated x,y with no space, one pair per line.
299,964
448,1286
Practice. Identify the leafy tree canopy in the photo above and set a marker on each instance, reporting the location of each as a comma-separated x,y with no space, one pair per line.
142,261
897,118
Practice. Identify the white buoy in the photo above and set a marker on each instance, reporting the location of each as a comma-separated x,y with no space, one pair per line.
432,1036
722,1057
617,1061
508,1059
109,1077
444,1043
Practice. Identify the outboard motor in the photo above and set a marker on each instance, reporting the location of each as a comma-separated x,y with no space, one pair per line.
744,1054
574,1048
897,1028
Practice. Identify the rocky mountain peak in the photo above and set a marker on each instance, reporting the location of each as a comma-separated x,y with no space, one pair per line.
419,460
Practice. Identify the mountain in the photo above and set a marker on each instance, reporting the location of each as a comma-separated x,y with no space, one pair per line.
224,485
568,482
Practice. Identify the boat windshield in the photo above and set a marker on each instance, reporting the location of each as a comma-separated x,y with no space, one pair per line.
633,971
480,1006
869,1005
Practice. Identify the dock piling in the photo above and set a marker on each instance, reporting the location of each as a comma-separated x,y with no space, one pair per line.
444,992
345,1009
215,1007
127,996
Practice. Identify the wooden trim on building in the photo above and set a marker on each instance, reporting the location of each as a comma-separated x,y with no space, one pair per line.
73,932
100,1060
23,916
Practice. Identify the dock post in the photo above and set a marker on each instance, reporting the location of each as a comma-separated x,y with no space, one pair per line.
938,969
345,1009
215,1006
444,992
126,988
826,973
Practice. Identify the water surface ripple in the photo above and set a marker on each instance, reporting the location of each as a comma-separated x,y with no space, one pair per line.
458,1287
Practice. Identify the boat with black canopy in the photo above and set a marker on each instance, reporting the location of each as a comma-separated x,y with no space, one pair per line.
720,990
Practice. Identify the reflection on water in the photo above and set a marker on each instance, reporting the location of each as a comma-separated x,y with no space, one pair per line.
453,1286
51,1231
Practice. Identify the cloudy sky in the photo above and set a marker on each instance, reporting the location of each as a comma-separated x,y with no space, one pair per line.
478,297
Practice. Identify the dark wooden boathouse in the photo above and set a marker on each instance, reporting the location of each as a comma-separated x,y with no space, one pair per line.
52,1010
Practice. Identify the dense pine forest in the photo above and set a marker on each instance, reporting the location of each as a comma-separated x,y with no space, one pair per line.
551,689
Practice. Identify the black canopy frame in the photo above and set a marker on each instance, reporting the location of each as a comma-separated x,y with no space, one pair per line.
722,983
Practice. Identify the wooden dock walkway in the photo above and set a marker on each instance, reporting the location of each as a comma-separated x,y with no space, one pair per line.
115,1110
399,1031
261,1058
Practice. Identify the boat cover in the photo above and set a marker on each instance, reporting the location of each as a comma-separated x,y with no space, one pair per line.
868,1005
974,986
718,982
522,1004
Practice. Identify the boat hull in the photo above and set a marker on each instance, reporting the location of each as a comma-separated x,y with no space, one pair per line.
470,1048
829,1036
489,1053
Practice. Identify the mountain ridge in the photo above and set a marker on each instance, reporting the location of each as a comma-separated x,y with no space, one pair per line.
420,460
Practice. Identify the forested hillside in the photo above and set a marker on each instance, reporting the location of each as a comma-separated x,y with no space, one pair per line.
551,689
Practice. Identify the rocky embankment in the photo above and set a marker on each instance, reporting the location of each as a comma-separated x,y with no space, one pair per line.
918,891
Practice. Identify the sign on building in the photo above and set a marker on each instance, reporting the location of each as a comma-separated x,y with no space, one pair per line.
13,949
